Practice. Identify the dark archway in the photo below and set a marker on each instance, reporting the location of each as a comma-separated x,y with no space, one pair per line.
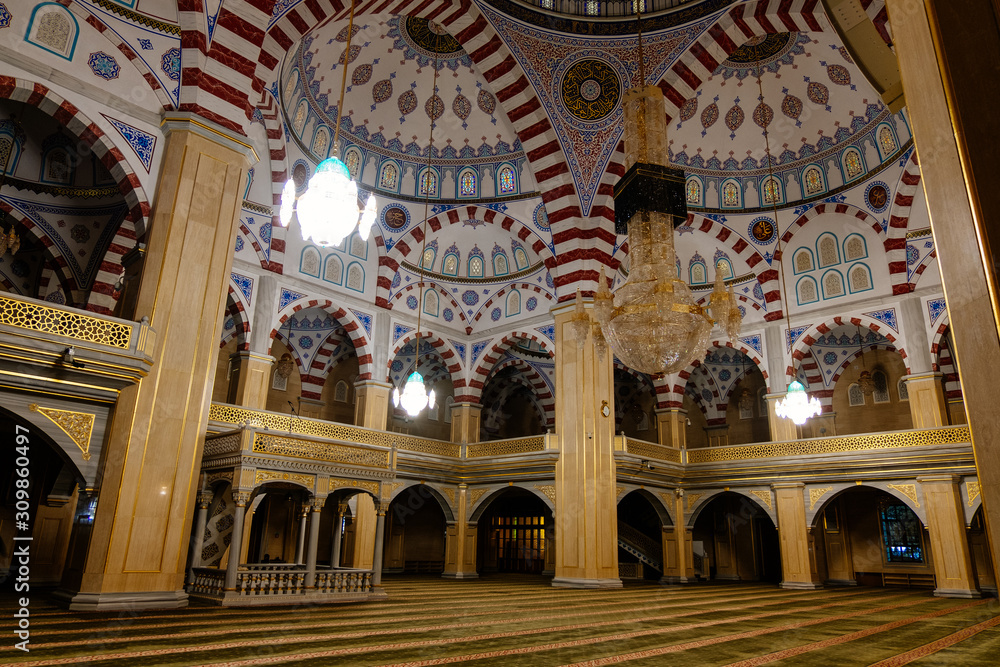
735,540
979,550
415,528
515,534
640,536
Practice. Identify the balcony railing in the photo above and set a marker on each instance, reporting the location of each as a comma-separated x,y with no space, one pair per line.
259,583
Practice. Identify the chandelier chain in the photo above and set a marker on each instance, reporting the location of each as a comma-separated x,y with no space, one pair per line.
343,80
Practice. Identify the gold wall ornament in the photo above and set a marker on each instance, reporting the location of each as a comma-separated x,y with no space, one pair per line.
953,435
972,489
474,495
45,319
908,490
369,486
450,494
816,494
693,500
320,451
549,490
77,425
505,447
619,490
389,488
275,475
213,477
765,497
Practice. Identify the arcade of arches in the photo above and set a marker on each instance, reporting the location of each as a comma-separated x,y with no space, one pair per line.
207,396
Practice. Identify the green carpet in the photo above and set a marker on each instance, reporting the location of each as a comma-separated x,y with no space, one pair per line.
508,620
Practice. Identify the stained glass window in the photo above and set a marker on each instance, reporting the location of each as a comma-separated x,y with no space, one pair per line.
903,390
724,268
803,261
57,167
468,184
772,193
833,285
293,80
6,144
476,267
693,191
855,396
901,534
828,251
860,281
506,180
53,31
520,259
592,7
431,302
334,270
340,392
638,6
450,265
310,262
300,118
500,265
807,291
428,183
814,181
730,194
546,4
881,394
854,248
353,162
513,303
429,258
697,274
389,176
886,140
852,164
321,143
356,277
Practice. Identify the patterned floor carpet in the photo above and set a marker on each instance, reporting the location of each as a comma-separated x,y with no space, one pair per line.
505,620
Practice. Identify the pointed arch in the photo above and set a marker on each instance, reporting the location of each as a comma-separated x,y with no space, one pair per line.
802,345
352,326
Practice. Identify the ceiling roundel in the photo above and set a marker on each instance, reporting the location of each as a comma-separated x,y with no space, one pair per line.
428,37
590,89
760,49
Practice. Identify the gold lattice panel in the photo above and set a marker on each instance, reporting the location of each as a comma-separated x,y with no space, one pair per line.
505,447
941,436
77,326
650,450
231,414
222,445
972,489
319,451
263,476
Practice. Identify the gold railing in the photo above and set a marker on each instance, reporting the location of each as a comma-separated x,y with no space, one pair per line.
40,317
508,447
952,435
649,450
274,421
302,448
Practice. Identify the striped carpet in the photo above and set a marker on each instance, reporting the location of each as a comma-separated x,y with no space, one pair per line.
507,620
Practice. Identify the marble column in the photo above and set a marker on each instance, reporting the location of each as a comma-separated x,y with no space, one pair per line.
142,528
240,499
793,533
314,508
338,534
927,403
198,538
946,51
953,569
379,546
300,547
586,512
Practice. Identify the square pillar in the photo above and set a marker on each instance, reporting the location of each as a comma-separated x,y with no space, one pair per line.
949,543
253,379
718,435
460,542
465,422
371,411
782,430
796,559
678,557
671,426
927,405
586,512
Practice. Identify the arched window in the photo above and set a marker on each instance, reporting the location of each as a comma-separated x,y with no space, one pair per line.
725,267
859,278
697,272
309,261
359,247
428,183
592,7
450,266
300,117
520,259
772,191
813,179
505,180
447,408
902,533
803,260
428,261
694,191
855,248
340,392
826,249
806,291
467,184
10,151
293,81
333,272
431,302
855,396
881,394
500,267
513,303
886,141
475,267
56,167
353,161
389,178
902,389
321,143
730,194
833,284
356,277
854,166
53,28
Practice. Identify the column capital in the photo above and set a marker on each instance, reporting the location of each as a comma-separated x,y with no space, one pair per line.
929,375
316,503
185,121
361,384
667,411
788,485
932,479
205,499
241,498
255,356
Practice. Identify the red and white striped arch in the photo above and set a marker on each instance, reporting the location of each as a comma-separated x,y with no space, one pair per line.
413,240
899,221
670,390
443,293
236,308
501,296
322,363
489,359
279,175
346,318
444,349
944,362
802,345
534,381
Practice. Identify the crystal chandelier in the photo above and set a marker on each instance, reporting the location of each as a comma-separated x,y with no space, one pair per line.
652,322
415,397
329,211
797,405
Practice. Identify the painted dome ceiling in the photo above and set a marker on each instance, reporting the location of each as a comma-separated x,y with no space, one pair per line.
388,97
816,106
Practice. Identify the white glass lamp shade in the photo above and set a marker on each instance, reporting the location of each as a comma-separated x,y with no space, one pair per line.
414,397
287,203
368,217
797,405
328,211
